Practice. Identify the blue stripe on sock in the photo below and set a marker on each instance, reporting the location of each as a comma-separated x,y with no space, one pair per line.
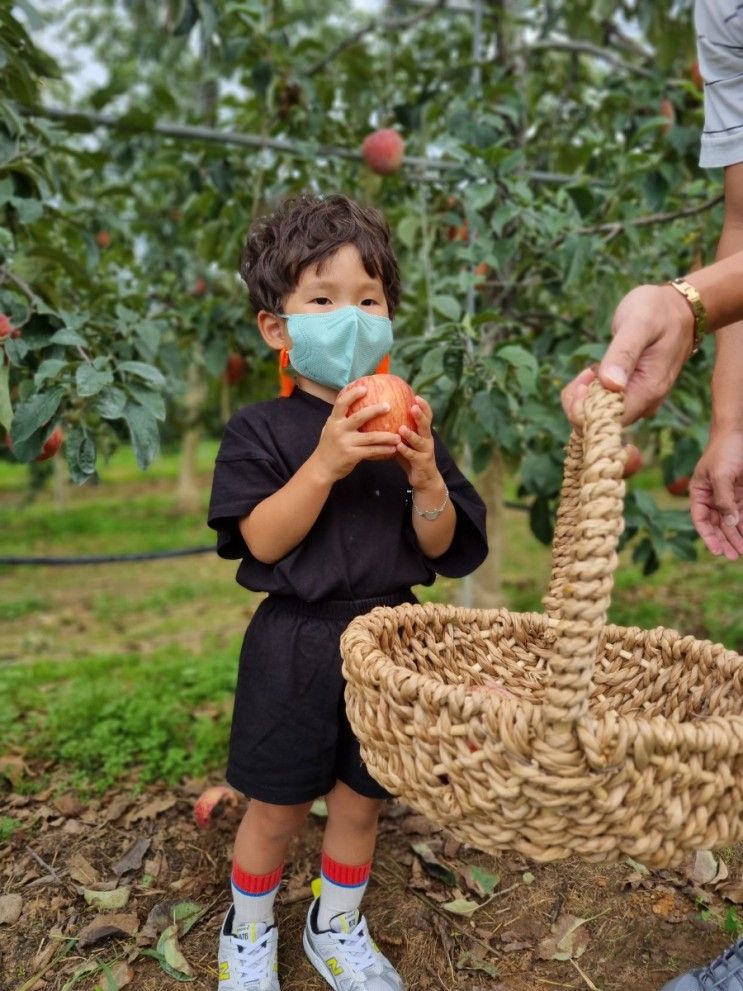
340,883
255,894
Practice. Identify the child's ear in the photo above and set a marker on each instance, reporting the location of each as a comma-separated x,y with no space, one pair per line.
272,330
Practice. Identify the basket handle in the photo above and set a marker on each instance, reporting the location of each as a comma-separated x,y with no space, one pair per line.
589,522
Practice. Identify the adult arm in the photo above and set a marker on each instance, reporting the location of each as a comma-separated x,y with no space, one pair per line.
716,487
652,333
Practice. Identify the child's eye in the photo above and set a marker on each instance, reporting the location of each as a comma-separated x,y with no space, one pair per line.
321,300
369,302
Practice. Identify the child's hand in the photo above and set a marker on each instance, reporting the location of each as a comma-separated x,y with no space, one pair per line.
342,445
415,453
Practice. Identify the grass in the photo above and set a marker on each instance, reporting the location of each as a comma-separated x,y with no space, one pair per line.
126,671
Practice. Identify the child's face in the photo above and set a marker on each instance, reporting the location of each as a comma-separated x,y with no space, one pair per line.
342,281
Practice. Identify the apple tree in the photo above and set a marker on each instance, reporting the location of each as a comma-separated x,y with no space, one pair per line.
550,164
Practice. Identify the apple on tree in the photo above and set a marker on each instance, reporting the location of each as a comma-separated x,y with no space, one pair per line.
679,486
51,445
383,151
103,239
235,369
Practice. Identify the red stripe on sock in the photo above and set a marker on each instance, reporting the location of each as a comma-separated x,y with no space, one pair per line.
255,884
344,873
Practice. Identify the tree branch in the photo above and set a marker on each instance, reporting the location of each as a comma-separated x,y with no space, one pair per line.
615,226
393,24
586,48
189,132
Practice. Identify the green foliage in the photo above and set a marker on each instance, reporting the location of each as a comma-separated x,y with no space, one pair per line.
120,244
149,723
8,826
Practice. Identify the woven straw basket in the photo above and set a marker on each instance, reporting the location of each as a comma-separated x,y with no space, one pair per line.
555,734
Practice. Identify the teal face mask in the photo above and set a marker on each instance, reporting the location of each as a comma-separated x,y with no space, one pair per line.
336,347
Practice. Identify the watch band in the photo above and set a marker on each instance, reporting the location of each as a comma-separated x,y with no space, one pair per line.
694,300
431,514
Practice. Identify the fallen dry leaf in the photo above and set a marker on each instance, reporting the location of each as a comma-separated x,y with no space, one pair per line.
122,973
568,940
10,909
151,809
107,925
132,858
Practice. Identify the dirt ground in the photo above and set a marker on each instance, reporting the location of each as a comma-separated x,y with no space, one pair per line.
621,927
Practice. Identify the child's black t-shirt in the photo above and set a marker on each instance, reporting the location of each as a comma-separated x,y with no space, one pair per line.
363,543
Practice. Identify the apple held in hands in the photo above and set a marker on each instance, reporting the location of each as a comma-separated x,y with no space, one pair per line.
390,389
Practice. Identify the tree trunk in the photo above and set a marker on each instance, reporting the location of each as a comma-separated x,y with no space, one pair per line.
483,589
188,498
60,484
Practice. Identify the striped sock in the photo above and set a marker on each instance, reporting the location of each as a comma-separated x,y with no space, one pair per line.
253,896
342,889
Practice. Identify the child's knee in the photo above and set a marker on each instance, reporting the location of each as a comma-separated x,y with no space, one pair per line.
277,822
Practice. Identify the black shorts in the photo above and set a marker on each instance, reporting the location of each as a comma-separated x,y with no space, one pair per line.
291,739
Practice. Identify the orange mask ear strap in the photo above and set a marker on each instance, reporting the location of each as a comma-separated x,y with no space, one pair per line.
384,366
286,382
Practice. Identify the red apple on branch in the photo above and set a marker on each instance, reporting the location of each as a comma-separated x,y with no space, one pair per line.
383,151
679,486
235,369
103,239
51,445
634,461
390,389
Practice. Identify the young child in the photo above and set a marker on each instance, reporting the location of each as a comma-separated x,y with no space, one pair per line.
329,533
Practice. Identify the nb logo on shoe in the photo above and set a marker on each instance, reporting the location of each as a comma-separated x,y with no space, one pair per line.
334,967
224,971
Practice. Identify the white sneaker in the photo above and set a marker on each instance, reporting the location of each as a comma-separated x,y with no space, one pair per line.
248,962
346,956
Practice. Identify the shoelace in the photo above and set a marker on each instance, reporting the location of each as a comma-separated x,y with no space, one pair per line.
254,961
357,949
710,980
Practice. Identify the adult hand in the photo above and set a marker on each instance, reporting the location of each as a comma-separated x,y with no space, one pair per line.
716,491
652,331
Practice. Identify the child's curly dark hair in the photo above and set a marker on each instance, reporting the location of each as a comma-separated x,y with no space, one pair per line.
307,231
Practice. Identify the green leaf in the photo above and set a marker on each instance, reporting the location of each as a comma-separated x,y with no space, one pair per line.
107,900
110,403
16,348
143,432
90,380
81,455
485,880
173,962
153,401
69,337
144,371
34,413
447,306
461,906
48,369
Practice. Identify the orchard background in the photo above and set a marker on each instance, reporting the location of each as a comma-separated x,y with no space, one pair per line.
550,163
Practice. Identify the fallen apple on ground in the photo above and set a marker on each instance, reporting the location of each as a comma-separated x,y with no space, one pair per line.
209,801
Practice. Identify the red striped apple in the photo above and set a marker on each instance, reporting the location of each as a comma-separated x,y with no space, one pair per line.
390,389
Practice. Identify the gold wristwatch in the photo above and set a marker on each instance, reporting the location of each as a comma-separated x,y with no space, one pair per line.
694,300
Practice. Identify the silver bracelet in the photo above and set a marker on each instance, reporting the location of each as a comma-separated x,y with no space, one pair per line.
431,514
